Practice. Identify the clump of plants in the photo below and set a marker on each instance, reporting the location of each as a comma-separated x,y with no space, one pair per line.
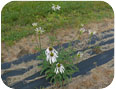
57,64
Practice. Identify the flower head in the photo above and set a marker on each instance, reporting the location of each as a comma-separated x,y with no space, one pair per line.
39,30
82,30
59,68
55,7
58,7
79,54
51,54
51,57
92,32
34,24
82,25
49,50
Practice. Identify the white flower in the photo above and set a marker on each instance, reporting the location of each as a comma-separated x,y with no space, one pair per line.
55,7
51,57
58,7
39,30
82,25
49,50
59,68
82,30
79,54
92,32
34,24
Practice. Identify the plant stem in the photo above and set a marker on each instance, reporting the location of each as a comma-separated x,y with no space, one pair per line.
39,42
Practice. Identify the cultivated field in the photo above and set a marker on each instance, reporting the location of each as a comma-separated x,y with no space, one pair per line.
67,45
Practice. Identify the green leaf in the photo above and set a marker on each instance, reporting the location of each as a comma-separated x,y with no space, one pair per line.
49,75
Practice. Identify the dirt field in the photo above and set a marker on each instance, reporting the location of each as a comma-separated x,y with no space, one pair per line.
99,77
27,45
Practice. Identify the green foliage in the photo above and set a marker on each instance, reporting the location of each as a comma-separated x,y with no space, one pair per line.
66,59
17,17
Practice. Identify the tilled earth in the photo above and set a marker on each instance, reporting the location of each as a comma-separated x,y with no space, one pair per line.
27,45
99,77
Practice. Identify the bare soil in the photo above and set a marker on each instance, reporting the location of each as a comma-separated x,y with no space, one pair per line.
27,45
99,77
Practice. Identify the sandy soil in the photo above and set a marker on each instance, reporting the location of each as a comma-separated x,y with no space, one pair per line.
99,77
27,45
24,65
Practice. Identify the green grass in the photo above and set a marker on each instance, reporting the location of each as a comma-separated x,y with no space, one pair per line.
17,17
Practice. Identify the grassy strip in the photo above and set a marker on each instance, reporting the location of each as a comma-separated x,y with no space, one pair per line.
17,16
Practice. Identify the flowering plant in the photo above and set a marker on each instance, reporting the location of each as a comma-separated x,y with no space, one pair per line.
57,67
55,7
